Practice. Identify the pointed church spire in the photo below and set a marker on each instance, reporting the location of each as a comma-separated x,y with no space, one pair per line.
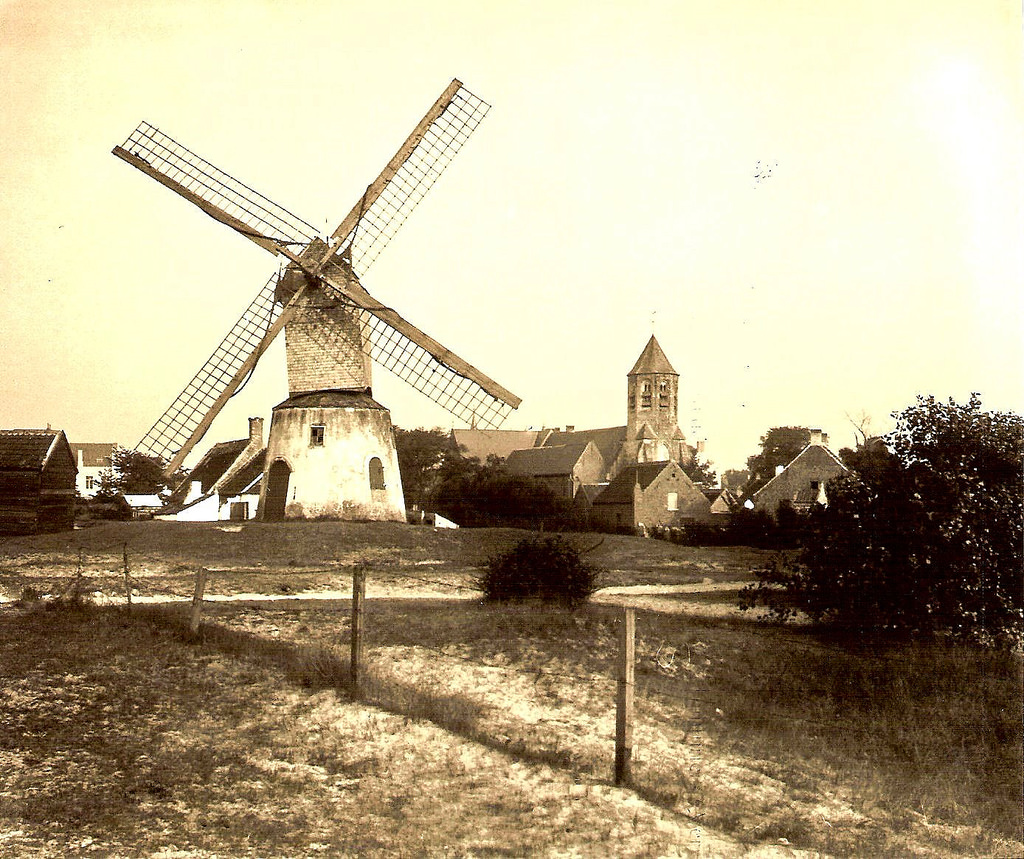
652,360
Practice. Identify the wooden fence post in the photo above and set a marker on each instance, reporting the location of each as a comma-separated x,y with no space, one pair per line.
358,596
197,600
127,583
624,700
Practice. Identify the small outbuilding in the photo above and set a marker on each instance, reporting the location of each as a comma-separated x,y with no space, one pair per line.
37,481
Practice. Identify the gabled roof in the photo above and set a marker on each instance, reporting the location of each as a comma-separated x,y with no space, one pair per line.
27,449
547,460
247,477
94,454
620,490
811,450
652,360
607,440
216,461
481,443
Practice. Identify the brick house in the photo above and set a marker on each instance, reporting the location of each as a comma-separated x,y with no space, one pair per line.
37,481
563,468
649,494
802,482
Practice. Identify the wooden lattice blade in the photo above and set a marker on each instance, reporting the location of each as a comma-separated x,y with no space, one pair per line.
188,418
392,196
221,196
418,359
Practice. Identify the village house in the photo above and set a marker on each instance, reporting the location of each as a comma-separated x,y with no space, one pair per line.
91,459
563,468
37,481
649,495
225,483
802,482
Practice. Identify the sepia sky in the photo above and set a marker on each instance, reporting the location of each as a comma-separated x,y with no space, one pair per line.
815,206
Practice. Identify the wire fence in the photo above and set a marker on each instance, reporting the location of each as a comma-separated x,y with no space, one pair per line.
661,677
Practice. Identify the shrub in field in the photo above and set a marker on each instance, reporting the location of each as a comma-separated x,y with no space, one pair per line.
928,540
549,569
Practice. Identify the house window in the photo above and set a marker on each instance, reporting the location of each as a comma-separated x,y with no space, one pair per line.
90,482
316,435
377,474
672,501
645,395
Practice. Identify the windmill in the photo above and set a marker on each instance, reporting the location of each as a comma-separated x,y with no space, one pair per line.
331,447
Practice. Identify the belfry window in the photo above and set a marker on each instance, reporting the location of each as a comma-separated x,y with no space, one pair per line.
316,435
645,395
377,474
663,395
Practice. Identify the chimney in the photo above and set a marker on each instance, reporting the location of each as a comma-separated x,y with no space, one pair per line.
816,437
255,432
570,427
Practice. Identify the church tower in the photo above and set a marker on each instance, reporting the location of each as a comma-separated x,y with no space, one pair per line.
652,416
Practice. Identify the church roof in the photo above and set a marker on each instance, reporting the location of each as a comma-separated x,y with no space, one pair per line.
608,440
652,360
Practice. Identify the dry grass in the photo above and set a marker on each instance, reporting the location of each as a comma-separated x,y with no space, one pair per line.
479,730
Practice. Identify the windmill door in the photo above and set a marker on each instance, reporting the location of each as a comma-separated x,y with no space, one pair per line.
277,491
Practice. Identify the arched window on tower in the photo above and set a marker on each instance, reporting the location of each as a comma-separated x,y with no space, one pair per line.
664,395
377,474
645,395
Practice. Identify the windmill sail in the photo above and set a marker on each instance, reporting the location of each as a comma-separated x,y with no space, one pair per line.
405,180
169,438
219,195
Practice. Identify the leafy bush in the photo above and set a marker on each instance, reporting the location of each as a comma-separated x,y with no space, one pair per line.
928,540
548,568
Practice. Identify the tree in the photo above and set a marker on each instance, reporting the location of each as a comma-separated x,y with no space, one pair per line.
779,446
699,470
488,495
929,540
422,455
134,473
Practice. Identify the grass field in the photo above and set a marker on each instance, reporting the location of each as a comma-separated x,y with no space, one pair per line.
478,730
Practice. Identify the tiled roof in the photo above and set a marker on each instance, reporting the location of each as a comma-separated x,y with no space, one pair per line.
94,454
652,360
216,461
25,448
550,459
330,399
481,443
244,477
620,490
607,440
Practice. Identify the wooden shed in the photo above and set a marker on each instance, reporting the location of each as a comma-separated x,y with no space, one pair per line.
37,481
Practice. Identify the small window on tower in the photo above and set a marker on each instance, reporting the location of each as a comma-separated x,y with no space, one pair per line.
645,396
663,395
316,435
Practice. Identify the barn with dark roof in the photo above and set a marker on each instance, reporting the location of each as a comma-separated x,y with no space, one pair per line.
37,481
